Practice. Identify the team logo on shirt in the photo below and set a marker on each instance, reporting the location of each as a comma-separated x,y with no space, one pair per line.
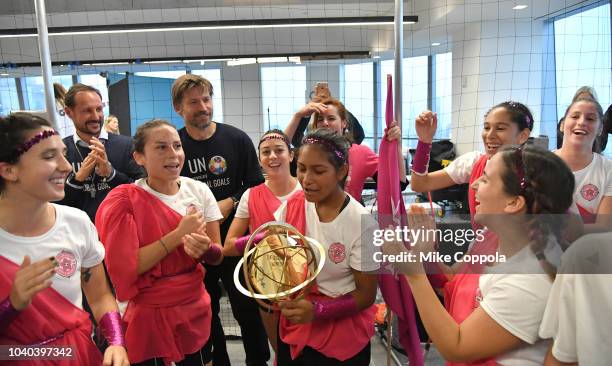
589,192
336,252
192,208
67,264
217,165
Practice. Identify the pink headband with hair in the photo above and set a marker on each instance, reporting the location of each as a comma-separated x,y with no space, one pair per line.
23,148
329,145
272,136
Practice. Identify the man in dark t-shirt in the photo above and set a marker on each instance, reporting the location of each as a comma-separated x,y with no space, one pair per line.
226,162
224,158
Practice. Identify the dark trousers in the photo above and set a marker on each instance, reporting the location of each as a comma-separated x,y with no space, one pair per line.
245,311
310,357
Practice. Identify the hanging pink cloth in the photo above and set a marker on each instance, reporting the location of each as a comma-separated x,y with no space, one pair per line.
391,211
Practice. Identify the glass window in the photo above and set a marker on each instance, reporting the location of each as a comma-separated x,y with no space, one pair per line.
161,74
283,90
9,101
442,103
582,57
214,76
98,82
414,98
359,97
34,90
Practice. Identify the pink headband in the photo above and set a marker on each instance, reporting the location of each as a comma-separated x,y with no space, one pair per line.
272,136
23,148
327,144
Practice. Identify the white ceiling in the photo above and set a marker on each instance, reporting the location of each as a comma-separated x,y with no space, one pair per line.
439,21
537,8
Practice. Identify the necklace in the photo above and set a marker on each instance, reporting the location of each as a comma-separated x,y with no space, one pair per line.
91,187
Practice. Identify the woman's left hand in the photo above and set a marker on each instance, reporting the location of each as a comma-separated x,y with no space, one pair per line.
424,228
115,356
393,132
196,244
420,220
407,260
298,311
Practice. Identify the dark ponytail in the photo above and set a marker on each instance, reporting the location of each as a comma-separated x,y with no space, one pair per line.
531,172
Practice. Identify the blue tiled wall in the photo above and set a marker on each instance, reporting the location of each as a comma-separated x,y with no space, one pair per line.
151,98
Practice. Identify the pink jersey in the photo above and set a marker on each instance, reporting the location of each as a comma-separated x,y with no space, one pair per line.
363,163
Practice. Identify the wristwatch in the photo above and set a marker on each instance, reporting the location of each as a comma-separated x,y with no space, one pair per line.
235,202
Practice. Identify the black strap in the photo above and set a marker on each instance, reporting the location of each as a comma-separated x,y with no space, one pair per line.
345,203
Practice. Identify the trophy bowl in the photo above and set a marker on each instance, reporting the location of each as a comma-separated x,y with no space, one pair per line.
281,266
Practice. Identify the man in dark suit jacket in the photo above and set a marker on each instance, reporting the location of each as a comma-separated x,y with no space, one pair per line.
99,161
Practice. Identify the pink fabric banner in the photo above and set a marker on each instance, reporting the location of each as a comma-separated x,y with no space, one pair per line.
391,211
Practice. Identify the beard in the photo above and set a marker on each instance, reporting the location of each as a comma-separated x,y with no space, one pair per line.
198,124
88,127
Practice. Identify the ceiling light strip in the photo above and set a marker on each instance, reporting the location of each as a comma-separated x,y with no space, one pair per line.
221,25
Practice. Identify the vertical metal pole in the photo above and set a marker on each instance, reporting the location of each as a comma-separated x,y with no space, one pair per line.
431,91
19,89
45,60
379,118
399,56
397,90
389,335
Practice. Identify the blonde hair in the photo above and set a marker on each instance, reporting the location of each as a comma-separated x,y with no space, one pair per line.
110,119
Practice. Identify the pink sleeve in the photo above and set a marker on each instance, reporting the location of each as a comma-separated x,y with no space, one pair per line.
371,162
119,234
363,163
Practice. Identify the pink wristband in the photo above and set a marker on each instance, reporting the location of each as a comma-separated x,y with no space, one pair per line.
8,313
112,328
420,163
241,242
339,307
213,254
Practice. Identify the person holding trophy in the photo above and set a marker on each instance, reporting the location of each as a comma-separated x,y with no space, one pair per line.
258,204
314,327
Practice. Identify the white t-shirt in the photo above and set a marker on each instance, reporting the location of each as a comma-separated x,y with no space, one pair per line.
577,315
460,169
65,126
73,240
348,241
242,212
191,192
593,183
514,295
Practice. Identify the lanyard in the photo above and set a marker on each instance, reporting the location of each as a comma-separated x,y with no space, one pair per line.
92,186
